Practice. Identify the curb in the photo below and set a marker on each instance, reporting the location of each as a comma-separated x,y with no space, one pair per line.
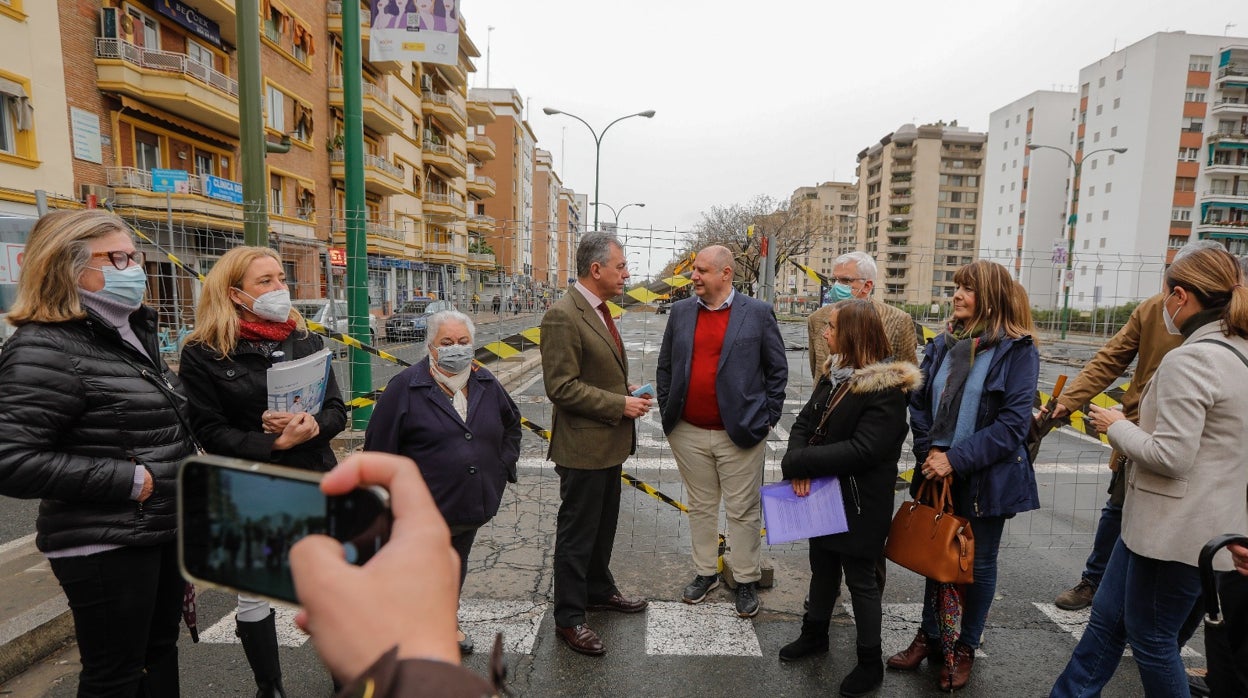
37,632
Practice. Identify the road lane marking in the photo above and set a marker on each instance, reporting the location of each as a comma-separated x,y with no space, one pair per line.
517,620
288,634
1074,623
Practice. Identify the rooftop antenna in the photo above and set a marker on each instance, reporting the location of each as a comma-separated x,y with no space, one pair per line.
489,33
1227,29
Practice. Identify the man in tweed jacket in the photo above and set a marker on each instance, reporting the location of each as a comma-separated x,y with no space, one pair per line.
854,274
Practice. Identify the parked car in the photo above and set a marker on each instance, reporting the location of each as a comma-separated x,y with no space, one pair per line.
317,310
409,322
663,306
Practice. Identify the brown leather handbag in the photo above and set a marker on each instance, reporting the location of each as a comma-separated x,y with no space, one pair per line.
930,539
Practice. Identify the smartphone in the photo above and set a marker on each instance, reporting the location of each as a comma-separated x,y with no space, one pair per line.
237,520
647,389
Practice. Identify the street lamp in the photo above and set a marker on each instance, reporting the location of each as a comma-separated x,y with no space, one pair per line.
550,111
1072,217
617,213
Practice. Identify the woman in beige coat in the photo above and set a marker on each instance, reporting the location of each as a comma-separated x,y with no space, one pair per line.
1185,482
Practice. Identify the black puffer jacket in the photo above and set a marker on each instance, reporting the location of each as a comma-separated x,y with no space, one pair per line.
864,435
228,395
79,410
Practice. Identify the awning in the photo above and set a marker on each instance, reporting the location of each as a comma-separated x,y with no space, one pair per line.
23,111
203,132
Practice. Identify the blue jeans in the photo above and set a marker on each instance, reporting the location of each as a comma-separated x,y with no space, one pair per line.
1143,602
977,598
1108,531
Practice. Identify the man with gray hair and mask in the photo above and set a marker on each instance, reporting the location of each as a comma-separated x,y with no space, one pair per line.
854,277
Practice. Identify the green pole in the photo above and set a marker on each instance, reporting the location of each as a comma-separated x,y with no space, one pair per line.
251,125
357,242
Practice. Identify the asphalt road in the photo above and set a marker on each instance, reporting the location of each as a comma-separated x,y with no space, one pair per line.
674,649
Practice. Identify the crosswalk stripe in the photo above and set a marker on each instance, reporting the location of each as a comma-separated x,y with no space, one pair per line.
707,629
288,634
518,621
1074,623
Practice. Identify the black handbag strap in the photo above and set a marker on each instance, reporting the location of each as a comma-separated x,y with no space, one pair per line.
1208,580
1233,349
833,401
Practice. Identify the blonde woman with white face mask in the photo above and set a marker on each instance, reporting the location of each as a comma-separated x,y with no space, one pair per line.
244,324
451,416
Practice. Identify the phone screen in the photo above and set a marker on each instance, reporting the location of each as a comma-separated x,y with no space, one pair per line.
239,522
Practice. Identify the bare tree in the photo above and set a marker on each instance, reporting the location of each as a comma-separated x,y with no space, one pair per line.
790,225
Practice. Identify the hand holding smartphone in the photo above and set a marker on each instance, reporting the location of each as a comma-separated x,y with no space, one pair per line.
645,390
238,520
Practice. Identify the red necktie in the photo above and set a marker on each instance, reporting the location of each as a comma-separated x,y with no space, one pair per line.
606,315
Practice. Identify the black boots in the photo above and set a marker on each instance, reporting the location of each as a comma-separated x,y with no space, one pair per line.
867,676
260,645
813,640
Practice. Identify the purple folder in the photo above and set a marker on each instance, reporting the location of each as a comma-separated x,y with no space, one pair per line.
788,517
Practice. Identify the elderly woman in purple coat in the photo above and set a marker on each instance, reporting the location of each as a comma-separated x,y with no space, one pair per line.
454,419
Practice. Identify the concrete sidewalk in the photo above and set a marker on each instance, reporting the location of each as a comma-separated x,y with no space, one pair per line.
35,620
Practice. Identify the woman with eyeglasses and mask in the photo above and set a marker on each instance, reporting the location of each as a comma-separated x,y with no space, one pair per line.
93,422
1186,480
244,324
451,416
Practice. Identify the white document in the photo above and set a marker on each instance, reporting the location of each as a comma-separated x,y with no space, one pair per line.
299,385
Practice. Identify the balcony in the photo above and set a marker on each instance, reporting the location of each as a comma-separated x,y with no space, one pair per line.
133,187
482,147
374,229
479,260
483,187
450,161
380,175
170,81
381,112
481,223
1228,108
480,113
1226,163
443,206
1223,228
445,252
446,109
1235,74
333,8
1228,136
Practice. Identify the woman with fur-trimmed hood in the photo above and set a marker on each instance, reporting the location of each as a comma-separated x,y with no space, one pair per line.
853,427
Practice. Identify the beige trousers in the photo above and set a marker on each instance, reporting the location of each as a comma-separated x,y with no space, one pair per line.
713,467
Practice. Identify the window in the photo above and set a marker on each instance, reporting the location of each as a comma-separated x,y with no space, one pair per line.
8,129
146,29
1181,214
1185,184
1194,97
1109,186
1103,243
1110,159
273,24
1094,164
1092,190
1096,137
276,107
1117,102
1119,76
204,163
1101,82
1113,131
1105,215
275,194
199,53
146,150
1199,63
1099,109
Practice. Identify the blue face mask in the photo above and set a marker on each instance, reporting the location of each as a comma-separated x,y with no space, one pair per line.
841,292
125,286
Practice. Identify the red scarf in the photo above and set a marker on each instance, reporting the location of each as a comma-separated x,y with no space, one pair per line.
265,331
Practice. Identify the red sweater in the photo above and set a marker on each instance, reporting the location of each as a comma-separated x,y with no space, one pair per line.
701,403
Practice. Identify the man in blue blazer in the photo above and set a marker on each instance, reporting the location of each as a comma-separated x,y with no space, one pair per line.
721,378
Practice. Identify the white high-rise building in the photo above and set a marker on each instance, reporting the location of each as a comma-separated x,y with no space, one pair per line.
1025,198
1223,187
1134,208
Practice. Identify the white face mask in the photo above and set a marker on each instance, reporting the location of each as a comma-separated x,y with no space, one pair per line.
1167,318
273,306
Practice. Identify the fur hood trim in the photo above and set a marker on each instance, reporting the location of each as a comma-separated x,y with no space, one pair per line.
886,375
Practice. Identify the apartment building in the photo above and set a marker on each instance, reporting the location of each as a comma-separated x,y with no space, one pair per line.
1133,209
1223,186
512,205
546,188
919,202
830,215
571,223
1025,197
35,148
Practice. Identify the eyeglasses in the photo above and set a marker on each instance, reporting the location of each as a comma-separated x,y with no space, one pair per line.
847,280
120,259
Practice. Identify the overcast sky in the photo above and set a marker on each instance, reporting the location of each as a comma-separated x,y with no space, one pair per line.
761,98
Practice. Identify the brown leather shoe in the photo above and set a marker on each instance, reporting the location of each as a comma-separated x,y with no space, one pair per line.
963,659
911,657
619,603
581,639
